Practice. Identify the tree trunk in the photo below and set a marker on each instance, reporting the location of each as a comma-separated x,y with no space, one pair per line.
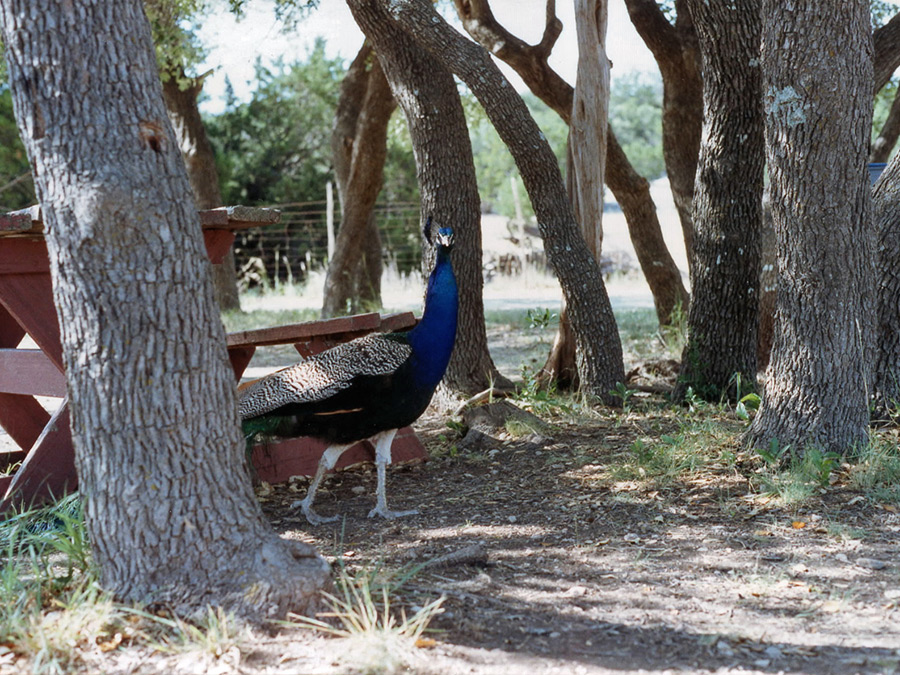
181,94
887,139
818,104
631,191
886,57
586,157
359,148
886,217
169,507
599,347
427,93
725,268
677,53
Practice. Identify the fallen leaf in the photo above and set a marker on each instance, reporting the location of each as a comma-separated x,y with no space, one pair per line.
111,644
798,524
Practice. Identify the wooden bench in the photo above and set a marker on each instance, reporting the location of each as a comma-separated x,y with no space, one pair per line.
277,460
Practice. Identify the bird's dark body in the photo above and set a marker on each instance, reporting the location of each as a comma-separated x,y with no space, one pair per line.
372,403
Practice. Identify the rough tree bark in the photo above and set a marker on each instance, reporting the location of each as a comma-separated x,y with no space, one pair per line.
677,53
430,101
725,268
631,190
886,59
886,217
359,147
181,94
818,105
168,503
586,164
599,361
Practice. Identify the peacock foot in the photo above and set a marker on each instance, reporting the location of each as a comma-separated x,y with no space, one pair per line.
385,512
313,517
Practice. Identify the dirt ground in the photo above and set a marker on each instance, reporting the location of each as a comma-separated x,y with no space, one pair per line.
583,575
562,569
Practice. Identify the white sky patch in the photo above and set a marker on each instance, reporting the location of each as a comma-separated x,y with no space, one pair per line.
234,45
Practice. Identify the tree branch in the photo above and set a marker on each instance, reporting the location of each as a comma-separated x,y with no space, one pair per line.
886,41
658,34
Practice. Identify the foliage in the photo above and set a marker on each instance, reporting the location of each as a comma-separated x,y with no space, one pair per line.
287,12
16,186
494,165
635,114
883,100
882,12
276,148
173,25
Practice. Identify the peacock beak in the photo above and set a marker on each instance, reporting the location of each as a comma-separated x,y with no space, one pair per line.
444,238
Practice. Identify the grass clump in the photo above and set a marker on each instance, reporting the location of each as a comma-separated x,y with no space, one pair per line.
378,638
877,470
699,441
52,609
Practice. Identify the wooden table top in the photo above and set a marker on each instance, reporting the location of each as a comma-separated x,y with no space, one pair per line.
30,221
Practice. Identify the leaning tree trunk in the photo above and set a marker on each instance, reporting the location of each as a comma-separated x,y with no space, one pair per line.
599,364
677,53
359,146
631,190
430,101
720,355
181,94
886,216
818,104
169,507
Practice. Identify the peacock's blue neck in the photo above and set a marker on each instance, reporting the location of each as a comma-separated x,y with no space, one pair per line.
433,338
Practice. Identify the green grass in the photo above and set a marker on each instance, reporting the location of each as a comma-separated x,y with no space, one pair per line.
263,318
51,607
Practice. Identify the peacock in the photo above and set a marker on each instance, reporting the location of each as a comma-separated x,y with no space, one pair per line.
367,388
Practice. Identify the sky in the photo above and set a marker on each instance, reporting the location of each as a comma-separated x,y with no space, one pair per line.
235,45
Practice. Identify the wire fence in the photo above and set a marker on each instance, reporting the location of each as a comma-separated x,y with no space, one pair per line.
288,251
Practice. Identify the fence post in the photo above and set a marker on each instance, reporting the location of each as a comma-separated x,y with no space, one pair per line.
329,217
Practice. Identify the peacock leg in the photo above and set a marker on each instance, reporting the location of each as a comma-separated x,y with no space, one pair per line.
383,443
328,460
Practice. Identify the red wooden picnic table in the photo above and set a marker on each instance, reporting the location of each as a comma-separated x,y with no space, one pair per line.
45,456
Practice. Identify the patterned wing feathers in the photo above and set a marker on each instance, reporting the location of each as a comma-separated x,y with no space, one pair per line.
323,375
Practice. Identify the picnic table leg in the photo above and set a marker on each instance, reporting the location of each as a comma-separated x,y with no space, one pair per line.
240,359
28,298
49,470
21,416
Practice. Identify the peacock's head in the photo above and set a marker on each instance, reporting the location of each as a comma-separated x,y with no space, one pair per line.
443,239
